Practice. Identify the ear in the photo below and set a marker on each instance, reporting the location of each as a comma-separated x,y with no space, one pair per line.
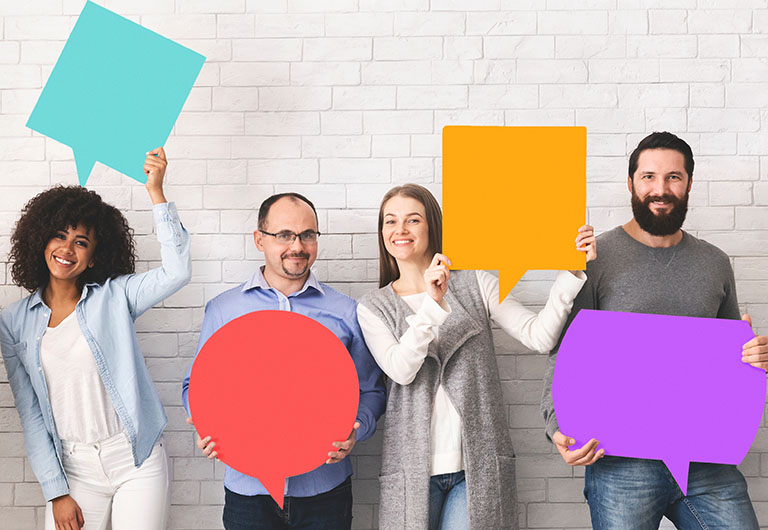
630,186
92,264
690,183
258,240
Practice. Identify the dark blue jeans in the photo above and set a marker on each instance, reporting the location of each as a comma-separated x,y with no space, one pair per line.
634,494
331,510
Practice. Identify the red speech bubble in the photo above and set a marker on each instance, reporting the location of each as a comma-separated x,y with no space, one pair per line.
274,389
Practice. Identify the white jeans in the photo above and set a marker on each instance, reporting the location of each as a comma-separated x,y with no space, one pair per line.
104,482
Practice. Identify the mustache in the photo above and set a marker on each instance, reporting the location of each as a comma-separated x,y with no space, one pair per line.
666,198
295,255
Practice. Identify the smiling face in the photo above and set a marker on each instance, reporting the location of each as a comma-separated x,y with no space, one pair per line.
660,188
287,261
69,253
405,230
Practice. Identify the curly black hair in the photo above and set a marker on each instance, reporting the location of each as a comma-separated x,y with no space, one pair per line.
59,208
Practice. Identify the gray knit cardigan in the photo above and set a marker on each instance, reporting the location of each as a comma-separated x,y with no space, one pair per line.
465,363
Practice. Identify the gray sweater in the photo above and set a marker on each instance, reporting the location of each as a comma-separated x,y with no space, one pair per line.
692,278
464,362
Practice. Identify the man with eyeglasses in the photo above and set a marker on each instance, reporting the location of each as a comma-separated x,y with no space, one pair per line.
322,498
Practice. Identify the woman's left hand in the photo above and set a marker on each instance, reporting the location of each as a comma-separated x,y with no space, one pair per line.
586,242
154,167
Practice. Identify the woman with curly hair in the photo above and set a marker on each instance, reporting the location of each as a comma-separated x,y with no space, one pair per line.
92,419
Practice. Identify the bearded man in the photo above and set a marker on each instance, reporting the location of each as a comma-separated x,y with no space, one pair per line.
650,265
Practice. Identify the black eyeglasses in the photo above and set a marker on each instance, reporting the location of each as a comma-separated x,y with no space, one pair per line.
287,237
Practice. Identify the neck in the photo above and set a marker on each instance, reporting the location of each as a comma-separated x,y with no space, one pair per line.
634,230
287,286
411,280
61,292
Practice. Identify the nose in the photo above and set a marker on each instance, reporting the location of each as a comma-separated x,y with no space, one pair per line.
297,245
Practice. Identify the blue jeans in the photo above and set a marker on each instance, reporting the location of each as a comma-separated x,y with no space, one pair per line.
331,510
448,502
634,494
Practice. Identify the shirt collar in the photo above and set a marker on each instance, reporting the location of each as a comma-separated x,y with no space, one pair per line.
258,281
37,296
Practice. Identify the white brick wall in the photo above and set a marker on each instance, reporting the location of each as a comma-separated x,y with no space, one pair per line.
340,100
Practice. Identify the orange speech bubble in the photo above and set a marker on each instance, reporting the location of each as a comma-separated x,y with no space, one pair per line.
514,199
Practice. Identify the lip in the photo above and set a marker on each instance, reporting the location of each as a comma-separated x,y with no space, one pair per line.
401,242
57,260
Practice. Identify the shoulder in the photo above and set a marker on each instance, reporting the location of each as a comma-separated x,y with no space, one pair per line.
707,250
342,302
13,315
226,298
375,295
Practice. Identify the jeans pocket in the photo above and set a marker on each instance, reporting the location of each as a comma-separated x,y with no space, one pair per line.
392,501
507,491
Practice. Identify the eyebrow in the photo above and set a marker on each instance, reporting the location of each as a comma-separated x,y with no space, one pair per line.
406,215
78,235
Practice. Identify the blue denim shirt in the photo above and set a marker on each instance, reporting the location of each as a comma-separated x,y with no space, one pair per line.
105,314
336,312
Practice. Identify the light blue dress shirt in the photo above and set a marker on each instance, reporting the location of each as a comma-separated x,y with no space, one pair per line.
105,314
338,313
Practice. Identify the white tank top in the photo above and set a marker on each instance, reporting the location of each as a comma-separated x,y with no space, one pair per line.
82,409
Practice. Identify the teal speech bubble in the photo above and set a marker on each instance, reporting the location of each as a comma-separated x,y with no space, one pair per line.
115,92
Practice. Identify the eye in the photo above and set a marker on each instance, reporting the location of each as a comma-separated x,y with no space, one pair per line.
59,236
81,243
389,222
414,220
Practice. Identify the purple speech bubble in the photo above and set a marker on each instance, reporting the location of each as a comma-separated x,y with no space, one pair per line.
659,387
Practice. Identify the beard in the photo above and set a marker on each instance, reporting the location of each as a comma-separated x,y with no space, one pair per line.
661,224
296,270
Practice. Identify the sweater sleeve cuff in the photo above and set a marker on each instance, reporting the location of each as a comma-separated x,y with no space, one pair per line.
552,427
434,313
570,284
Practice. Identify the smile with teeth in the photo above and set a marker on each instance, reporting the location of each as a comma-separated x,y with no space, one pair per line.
402,241
63,261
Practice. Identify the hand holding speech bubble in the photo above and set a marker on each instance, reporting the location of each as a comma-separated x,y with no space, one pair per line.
274,390
660,387
513,199
115,92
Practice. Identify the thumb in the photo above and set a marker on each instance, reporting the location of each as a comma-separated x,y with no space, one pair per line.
746,317
561,439
189,420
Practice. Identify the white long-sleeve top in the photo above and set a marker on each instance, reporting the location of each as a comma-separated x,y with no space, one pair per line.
401,358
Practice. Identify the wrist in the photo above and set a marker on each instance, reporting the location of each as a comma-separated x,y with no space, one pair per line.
156,195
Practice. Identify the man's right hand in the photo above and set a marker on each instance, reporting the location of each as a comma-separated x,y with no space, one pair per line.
67,514
583,456
205,444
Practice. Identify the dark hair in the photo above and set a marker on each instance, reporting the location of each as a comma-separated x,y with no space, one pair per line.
662,140
388,270
59,208
269,201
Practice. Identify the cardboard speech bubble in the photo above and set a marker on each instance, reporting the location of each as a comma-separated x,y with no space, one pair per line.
513,199
115,92
659,387
274,390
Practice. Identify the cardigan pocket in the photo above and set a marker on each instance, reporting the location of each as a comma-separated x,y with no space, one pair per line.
392,501
507,491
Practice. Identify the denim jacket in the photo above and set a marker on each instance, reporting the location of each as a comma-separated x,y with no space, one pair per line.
105,314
